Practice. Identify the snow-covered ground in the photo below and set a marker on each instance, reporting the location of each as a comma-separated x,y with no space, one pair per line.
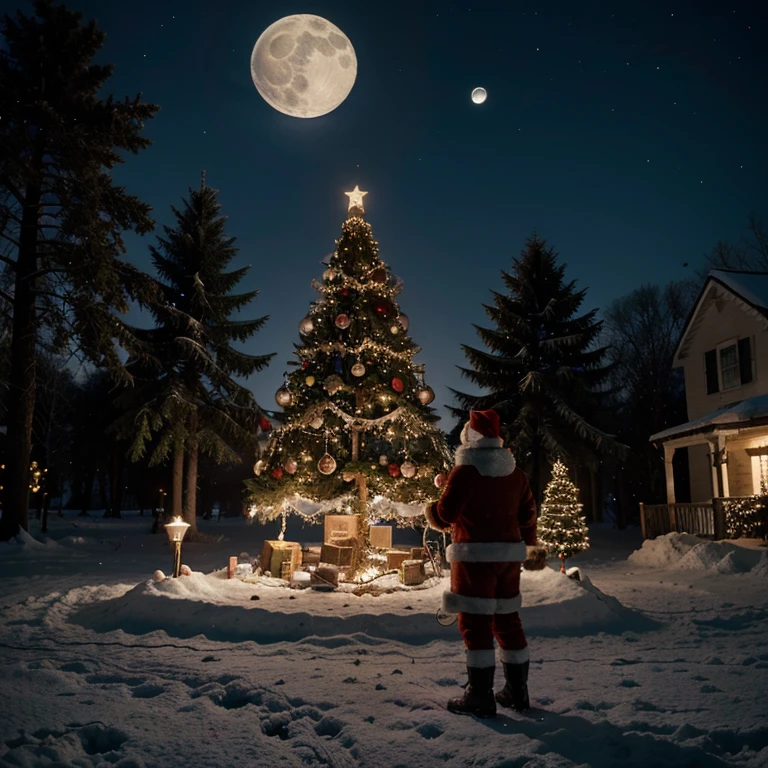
658,657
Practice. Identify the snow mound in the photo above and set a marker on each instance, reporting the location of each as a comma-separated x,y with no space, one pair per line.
24,539
230,610
687,552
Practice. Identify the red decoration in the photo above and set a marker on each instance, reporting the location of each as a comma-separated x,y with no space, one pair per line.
344,292
397,384
305,365
277,472
394,470
342,321
264,424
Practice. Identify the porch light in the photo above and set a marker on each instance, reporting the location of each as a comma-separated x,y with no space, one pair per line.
176,531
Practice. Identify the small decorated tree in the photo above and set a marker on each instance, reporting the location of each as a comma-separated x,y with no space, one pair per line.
359,434
561,527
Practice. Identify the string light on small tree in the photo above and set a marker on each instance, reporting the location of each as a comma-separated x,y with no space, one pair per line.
561,527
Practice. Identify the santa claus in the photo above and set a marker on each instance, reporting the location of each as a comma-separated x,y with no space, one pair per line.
488,507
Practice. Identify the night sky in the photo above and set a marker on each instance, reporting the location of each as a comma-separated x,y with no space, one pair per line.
631,135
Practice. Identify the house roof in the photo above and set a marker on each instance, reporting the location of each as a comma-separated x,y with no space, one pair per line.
744,413
749,290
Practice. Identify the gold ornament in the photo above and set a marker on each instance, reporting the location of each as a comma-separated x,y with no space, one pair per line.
426,395
258,467
316,423
358,369
394,330
283,397
333,384
306,326
309,381
291,466
407,469
327,464
383,460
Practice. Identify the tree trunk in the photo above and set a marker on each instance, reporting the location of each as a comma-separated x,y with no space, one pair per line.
177,480
116,485
536,470
21,380
87,493
190,491
362,543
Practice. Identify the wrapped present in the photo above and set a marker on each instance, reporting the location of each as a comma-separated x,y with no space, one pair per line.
335,555
395,558
275,553
381,536
417,553
340,527
310,556
324,577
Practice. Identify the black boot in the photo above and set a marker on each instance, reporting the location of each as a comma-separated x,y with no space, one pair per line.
478,695
514,695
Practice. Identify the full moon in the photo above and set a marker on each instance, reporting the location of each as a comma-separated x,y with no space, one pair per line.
479,95
303,66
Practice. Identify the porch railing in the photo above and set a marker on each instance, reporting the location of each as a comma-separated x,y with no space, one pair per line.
706,518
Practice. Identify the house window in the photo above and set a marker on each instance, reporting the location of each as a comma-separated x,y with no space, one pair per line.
728,359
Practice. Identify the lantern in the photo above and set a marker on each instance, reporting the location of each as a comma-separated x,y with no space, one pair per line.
176,531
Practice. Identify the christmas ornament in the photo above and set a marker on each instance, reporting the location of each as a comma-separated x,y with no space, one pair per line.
379,275
327,464
382,307
393,470
329,274
337,364
397,384
394,330
277,472
264,424
383,460
408,469
426,395
342,321
316,423
306,326
291,466
305,365
333,384
283,397
358,369
309,381
404,322
440,479
356,195
347,477
258,467
343,293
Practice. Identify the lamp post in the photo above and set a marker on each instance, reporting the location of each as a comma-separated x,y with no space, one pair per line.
176,531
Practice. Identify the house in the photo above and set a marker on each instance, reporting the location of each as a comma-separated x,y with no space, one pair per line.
723,351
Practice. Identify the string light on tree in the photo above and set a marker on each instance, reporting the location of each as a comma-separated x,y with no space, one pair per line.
561,527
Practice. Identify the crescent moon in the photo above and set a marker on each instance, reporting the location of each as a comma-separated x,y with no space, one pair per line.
303,66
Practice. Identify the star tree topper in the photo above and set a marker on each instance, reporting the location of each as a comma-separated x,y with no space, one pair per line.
356,198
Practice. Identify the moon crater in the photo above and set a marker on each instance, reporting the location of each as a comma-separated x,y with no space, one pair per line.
303,66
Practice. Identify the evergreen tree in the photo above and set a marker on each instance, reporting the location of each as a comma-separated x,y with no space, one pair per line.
357,407
543,373
561,527
193,402
61,214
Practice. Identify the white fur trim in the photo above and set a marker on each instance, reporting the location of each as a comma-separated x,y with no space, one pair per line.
481,658
454,603
515,657
509,604
486,552
487,606
474,439
489,460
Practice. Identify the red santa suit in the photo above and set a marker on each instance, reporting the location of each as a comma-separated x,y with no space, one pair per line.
490,511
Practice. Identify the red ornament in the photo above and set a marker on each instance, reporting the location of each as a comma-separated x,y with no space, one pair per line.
342,321
394,470
440,479
264,424
344,292
277,472
397,384
305,365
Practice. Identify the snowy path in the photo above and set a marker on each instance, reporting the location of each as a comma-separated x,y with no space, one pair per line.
689,692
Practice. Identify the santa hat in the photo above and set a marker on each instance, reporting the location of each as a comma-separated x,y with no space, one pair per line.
483,430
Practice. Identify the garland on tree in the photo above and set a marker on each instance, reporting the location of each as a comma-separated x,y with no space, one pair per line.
357,407
561,527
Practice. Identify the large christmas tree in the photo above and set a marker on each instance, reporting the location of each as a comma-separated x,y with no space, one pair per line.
543,370
359,435
561,527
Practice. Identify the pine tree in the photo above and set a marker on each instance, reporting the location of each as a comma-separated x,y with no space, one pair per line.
193,403
357,407
543,373
561,527
61,214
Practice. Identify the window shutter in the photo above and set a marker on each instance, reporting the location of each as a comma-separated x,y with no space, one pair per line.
745,360
710,361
